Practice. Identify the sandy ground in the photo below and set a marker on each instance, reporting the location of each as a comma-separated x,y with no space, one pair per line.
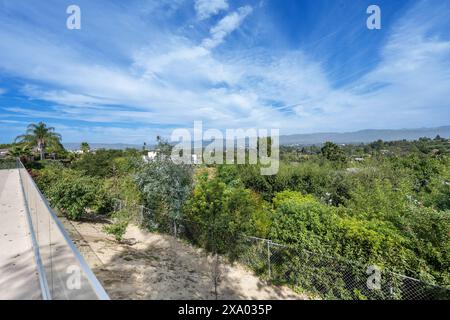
18,272
155,266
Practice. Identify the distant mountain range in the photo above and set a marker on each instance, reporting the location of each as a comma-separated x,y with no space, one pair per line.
362,136
114,146
365,136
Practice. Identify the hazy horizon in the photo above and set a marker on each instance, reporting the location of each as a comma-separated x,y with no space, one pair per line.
318,137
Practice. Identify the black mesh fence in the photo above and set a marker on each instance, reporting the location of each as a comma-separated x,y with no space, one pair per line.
8,164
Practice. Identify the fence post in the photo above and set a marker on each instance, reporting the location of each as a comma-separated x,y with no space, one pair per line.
268,259
175,227
391,287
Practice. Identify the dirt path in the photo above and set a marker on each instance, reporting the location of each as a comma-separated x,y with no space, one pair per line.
156,266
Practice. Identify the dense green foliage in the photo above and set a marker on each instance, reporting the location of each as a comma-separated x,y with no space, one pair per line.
102,164
389,208
223,213
90,183
5,145
165,186
70,192
384,203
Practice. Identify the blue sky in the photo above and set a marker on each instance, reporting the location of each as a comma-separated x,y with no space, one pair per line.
141,68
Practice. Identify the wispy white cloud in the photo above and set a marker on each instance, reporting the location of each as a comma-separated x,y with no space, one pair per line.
96,134
208,8
11,122
177,79
226,26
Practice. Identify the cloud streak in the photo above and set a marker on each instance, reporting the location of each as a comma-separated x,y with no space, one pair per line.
226,26
208,8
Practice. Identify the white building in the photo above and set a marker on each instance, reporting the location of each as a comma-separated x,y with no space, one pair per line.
194,159
3,152
151,155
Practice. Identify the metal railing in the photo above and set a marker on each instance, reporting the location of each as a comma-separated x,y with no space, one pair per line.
63,273
317,275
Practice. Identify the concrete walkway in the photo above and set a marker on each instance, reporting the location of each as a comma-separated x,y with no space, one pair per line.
18,273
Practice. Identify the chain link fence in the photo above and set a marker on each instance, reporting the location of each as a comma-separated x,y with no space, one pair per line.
330,277
317,275
6,164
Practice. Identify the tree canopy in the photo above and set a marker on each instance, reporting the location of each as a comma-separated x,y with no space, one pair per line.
40,136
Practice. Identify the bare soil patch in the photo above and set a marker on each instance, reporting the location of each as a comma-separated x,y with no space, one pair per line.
157,266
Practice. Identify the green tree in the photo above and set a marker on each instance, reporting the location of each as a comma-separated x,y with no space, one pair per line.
333,152
84,147
98,164
40,136
164,185
222,214
57,150
20,150
163,148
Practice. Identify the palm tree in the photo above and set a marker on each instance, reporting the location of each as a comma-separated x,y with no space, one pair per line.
39,135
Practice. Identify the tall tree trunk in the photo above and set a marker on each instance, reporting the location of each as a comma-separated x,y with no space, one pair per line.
41,150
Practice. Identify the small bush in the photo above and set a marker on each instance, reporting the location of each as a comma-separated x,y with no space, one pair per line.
117,229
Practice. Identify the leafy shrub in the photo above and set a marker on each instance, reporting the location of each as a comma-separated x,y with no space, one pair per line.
429,239
223,214
71,192
303,221
165,186
119,227
333,152
105,163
